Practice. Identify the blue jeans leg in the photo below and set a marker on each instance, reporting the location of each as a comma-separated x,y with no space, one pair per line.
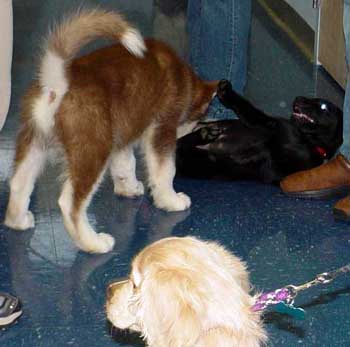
345,148
218,43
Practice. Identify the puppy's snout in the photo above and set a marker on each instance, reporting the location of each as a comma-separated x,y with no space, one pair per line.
110,291
300,102
113,287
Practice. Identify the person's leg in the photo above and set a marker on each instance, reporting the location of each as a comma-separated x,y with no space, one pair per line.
218,43
6,30
334,176
341,209
345,148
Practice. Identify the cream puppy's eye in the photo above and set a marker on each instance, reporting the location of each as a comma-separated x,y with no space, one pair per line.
136,278
133,283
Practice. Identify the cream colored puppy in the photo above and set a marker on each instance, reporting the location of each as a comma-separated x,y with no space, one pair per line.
183,292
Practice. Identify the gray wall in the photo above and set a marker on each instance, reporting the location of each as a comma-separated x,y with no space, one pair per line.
305,10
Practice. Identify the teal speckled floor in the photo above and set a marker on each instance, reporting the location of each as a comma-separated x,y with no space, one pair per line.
283,240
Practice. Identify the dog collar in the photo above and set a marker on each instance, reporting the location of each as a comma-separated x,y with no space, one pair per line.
321,151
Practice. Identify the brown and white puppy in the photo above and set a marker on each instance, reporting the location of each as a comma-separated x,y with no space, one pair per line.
183,292
95,109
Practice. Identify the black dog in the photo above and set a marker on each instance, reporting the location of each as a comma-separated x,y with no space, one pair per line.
258,146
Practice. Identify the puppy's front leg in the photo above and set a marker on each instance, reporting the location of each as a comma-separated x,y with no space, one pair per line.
159,146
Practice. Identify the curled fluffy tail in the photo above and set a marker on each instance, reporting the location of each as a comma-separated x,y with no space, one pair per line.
64,42
75,32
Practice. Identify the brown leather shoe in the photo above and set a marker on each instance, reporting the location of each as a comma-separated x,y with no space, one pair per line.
327,180
341,209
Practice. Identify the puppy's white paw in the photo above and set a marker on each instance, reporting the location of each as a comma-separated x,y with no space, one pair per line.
173,202
129,191
20,223
103,243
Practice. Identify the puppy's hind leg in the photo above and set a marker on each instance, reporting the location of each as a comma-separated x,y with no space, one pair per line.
85,173
123,166
159,145
29,162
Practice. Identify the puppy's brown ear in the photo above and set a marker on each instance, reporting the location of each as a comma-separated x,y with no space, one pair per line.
175,305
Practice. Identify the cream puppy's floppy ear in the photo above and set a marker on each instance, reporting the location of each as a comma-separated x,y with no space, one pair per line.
175,305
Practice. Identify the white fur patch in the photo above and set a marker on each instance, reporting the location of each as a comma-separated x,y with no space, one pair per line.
134,43
52,72
44,113
123,171
53,82
161,173
185,129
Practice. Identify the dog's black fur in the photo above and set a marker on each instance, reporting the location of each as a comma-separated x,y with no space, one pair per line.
258,146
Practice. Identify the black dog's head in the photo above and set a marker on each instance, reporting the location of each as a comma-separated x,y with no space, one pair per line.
321,122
